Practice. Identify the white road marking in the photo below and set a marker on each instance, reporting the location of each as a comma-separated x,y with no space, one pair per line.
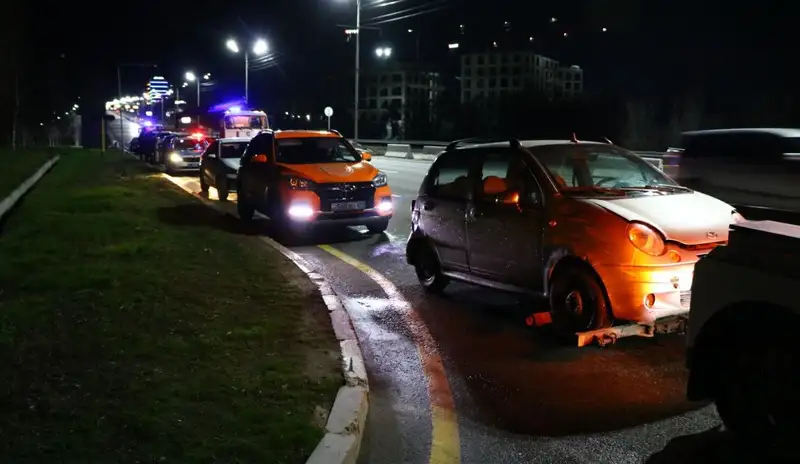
394,195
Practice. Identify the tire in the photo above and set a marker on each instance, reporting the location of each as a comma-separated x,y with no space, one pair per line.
222,187
245,209
378,227
577,302
757,394
429,271
203,185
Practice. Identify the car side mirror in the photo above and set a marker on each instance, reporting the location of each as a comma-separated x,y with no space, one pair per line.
509,198
260,158
366,156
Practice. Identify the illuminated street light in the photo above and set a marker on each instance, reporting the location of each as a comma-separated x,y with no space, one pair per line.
358,69
260,47
191,77
383,52
605,30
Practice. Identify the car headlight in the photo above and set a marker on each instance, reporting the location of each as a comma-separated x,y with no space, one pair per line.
737,218
175,158
380,180
646,239
297,183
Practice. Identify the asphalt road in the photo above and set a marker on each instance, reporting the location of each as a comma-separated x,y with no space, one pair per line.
461,378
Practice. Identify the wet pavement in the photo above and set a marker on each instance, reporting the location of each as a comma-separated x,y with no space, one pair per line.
461,378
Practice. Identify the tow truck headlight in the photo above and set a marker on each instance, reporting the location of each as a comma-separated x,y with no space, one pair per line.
175,158
297,183
737,218
380,180
646,239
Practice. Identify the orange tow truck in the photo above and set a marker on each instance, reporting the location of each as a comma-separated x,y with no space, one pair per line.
304,178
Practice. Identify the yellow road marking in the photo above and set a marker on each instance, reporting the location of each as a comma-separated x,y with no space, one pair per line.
445,442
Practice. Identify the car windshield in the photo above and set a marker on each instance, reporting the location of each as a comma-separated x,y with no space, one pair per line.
233,149
312,150
189,144
580,167
244,122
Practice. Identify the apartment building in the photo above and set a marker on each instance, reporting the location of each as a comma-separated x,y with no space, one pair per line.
490,75
401,90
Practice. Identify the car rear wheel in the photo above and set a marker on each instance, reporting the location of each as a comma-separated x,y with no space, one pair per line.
429,271
222,187
245,209
577,302
203,185
378,227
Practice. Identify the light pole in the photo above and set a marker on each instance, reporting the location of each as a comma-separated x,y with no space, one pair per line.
192,78
260,47
358,68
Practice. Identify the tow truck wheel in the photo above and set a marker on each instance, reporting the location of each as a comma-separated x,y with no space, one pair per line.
757,397
245,209
577,302
222,187
429,271
378,227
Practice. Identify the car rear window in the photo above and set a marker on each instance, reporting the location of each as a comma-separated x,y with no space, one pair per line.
233,150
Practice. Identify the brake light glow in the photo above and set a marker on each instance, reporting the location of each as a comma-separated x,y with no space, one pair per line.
197,135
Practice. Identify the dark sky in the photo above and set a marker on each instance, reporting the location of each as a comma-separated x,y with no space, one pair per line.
651,47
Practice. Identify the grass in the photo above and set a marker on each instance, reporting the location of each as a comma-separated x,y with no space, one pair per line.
19,165
137,325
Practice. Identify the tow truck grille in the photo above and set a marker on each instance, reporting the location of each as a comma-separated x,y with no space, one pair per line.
350,191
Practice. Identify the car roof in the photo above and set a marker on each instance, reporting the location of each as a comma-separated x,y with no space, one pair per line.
298,134
535,143
235,140
780,132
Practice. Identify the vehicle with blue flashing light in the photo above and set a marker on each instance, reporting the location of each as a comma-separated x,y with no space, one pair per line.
238,122
304,178
182,152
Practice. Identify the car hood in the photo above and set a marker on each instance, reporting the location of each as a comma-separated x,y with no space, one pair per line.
689,218
232,163
332,172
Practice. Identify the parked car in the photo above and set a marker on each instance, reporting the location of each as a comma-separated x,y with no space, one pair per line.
593,227
219,165
305,178
182,153
755,167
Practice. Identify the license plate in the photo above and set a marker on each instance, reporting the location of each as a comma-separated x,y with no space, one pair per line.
686,298
348,206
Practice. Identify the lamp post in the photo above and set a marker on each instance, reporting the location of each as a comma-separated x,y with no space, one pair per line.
260,47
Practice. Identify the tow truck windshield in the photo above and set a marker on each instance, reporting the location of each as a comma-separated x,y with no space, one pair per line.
244,122
313,150
601,168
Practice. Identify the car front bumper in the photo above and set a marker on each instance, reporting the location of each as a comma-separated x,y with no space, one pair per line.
183,165
646,294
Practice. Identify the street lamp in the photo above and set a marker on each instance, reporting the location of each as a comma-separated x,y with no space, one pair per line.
260,47
189,76
358,68
383,52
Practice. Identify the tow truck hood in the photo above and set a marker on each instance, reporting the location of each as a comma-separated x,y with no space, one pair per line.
689,218
332,172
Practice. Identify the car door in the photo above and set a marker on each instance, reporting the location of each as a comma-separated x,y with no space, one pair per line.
443,203
505,219
208,160
254,176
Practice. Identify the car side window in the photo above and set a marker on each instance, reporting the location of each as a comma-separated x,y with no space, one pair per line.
449,176
260,145
503,173
212,148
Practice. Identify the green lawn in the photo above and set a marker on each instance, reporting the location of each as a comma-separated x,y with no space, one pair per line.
137,325
19,165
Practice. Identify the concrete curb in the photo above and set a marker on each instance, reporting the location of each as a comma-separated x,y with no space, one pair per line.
15,196
348,416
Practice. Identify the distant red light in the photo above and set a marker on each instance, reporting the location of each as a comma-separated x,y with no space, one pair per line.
198,135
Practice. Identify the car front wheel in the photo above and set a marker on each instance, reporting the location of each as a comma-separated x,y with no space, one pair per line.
429,271
577,302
